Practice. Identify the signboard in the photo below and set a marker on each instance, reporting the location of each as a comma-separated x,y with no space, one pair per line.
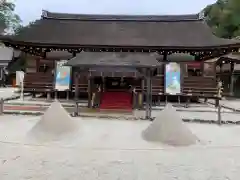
172,78
62,76
19,77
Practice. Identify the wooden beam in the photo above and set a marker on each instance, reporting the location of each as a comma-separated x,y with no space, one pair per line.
149,94
76,76
90,92
231,79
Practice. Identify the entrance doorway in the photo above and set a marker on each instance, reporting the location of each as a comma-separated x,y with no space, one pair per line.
117,84
117,94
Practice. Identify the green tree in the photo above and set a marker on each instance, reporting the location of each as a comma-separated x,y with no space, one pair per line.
224,18
9,21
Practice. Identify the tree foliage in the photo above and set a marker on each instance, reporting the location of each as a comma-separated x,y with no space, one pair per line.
224,18
9,21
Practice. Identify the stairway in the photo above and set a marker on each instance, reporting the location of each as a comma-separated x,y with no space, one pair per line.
116,101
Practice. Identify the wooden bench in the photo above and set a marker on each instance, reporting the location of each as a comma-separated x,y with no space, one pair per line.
81,87
38,87
38,82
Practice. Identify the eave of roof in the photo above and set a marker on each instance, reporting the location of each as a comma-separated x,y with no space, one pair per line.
119,17
120,31
109,59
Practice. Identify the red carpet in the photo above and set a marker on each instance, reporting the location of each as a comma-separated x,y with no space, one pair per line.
116,100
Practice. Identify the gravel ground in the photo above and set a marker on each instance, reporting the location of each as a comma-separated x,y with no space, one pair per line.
7,92
114,150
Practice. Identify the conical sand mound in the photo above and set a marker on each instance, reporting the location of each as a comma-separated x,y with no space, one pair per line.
169,129
54,123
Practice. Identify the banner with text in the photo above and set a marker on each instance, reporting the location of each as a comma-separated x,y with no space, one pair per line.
172,78
62,76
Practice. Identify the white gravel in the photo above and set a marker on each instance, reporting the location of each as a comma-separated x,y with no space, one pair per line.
169,129
114,150
7,92
55,123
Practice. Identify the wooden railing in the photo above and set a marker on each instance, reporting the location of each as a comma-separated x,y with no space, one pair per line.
191,86
200,86
82,84
38,82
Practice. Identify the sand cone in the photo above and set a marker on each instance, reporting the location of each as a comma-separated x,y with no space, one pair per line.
55,122
169,129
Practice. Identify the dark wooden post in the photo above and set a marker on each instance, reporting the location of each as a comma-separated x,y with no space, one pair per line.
103,86
179,100
76,113
134,99
67,94
165,59
55,94
217,102
142,93
76,76
187,101
219,114
220,76
1,106
231,79
149,94
90,92
48,96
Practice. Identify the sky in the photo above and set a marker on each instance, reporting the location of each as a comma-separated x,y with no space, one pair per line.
30,10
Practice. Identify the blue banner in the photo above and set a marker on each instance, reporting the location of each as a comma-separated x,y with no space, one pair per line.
172,79
62,76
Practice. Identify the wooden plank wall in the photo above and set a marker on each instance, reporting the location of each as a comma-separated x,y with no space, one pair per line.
204,85
201,86
35,79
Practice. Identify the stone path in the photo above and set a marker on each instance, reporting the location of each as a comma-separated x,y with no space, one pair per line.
229,104
23,108
114,150
7,92
203,112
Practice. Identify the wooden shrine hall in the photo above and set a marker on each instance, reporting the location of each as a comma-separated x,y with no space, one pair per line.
123,53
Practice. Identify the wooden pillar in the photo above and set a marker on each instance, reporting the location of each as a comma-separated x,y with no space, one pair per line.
217,102
76,76
187,101
141,94
67,94
231,79
103,84
90,93
55,94
165,54
219,115
134,100
1,106
48,96
37,64
220,76
149,94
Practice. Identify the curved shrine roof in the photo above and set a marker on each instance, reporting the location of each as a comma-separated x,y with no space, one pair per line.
114,59
166,32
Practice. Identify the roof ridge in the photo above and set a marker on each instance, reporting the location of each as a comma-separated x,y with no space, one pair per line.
119,17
